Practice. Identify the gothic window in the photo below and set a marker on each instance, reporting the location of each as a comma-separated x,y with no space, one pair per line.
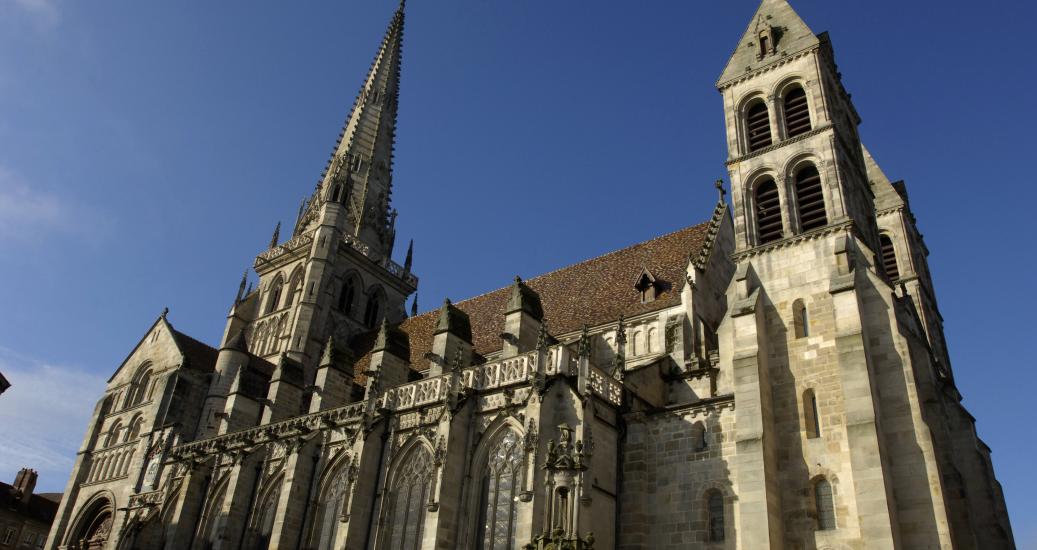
758,126
331,509
797,112
140,388
134,431
810,416
293,289
500,485
800,319
889,257
768,212
273,296
347,296
212,520
373,310
715,509
405,506
264,525
825,504
810,199
113,434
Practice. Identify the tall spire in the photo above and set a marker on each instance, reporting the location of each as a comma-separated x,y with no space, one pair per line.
359,172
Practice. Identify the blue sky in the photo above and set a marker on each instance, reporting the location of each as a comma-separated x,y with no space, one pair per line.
148,148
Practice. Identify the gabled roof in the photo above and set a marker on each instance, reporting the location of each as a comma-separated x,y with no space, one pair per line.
40,507
592,292
197,355
792,35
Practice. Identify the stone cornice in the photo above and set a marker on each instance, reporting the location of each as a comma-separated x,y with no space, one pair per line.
783,60
778,145
793,240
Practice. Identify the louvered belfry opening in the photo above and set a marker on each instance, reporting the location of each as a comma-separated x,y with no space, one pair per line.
797,113
889,257
768,212
758,124
810,199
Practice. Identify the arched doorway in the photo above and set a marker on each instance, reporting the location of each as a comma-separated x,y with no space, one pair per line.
94,526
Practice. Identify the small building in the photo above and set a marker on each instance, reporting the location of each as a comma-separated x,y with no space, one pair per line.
25,516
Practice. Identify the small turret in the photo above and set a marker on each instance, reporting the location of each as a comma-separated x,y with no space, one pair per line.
523,316
452,339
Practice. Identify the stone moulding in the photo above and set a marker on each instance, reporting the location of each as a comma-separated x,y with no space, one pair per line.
793,240
778,145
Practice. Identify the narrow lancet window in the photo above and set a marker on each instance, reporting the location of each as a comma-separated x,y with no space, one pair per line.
331,509
810,415
347,297
715,508
800,319
405,508
889,257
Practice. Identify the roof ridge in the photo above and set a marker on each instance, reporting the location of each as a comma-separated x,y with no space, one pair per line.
581,262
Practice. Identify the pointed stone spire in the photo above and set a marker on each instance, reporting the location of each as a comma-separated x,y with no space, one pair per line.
414,306
241,287
277,235
620,360
410,256
360,168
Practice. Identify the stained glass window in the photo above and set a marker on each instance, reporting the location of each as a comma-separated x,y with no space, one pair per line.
825,505
500,493
330,510
405,516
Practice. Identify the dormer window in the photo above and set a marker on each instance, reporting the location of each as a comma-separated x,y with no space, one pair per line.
646,286
765,37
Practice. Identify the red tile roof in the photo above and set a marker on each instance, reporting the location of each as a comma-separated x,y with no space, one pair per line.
591,292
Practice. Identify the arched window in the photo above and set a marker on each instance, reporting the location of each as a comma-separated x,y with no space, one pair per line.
140,388
293,289
113,434
347,296
212,520
758,126
698,437
715,509
373,310
810,415
500,486
825,504
768,212
800,319
889,257
331,510
273,296
405,506
810,199
264,525
797,112
134,431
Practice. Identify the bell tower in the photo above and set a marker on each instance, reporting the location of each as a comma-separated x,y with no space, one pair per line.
335,277
794,155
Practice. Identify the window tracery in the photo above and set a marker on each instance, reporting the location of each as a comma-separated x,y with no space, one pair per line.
500,488
404,520
331,510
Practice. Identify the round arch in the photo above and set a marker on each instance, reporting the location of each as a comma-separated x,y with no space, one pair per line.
92,526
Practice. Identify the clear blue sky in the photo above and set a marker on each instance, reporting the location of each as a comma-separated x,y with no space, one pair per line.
148,148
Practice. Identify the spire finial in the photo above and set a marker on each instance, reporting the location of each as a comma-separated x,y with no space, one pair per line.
414,306
165,311
720,188
241,287
277,235
410,257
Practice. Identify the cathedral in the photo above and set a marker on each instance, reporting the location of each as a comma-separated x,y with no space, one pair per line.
775,376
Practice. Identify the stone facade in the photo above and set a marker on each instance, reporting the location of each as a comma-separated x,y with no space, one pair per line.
775,377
